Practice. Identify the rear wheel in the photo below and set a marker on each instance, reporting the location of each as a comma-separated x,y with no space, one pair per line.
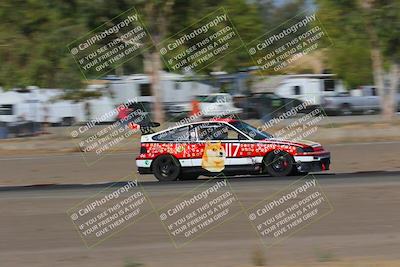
166,168
345,109
278,163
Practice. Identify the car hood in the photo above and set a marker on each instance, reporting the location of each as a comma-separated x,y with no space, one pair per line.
300,143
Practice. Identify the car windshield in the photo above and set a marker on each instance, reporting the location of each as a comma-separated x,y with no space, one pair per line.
251,131
216,99
201,98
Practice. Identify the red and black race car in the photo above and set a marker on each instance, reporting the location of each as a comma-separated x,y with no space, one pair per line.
229,146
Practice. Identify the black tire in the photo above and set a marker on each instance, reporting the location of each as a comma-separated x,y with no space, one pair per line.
166,168
67,121
296,172
278,163
345,109
188,176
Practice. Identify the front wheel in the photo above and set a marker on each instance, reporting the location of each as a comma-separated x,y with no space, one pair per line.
296,172
278,163
166,168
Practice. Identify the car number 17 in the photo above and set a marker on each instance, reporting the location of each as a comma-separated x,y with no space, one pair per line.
231,149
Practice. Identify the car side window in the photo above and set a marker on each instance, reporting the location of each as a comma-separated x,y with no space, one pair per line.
222,99
218,131
178,134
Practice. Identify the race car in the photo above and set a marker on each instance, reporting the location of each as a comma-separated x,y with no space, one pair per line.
228,146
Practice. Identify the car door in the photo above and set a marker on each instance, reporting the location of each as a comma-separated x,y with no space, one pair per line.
373,99
220,138
178,142
236,146
240,148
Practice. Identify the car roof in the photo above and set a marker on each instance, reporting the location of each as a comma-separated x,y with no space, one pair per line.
223,120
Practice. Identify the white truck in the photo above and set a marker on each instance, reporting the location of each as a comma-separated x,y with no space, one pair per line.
365,99
212,105
218,105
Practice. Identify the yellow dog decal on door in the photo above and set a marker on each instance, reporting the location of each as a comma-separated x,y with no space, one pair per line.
213,159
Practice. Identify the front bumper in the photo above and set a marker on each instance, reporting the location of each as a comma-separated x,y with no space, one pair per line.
144,170
144,166
313,163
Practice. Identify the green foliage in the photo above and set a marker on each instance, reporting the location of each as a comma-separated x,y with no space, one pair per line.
274,15
345,22
349,55
386,20
351,62
34,34
244,15
33,51
78,94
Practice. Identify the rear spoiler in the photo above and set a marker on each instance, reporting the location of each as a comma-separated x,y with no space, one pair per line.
143,120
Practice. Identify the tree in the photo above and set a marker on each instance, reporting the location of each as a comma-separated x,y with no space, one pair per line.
365,31
382,20
34,37
165,18
33,49
159,12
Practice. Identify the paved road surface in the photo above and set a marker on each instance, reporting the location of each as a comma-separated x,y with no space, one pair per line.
36,231
72,168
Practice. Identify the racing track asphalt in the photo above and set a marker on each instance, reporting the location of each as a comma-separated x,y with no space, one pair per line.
246,180
72,169
36,231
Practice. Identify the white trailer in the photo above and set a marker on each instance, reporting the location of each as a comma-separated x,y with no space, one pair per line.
45,105
175,88
309,87
304,87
